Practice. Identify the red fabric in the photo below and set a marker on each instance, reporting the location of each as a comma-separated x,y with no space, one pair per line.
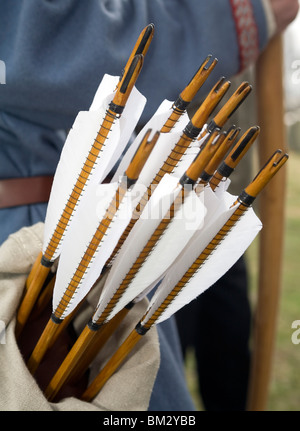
247,31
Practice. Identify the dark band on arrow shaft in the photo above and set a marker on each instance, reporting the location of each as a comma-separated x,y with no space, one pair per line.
224,170
211,126
191,131
184,180
130,305
46,262
94,326
55,319
140,329
181,104
117,109
246,199
205,176
130,182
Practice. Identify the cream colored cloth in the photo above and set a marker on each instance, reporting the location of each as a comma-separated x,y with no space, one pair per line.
129,389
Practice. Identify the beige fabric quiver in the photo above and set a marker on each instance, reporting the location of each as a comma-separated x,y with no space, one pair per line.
129,389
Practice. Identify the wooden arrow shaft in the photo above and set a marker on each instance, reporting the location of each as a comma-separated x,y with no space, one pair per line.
42,346
172,120
31,294
82,353
103,334
112,365
187,95
70,362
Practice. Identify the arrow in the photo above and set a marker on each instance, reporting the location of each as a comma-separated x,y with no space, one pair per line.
76,285
52,244
162,305
226,168
111,299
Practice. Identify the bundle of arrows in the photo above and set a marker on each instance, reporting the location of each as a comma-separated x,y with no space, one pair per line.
163,222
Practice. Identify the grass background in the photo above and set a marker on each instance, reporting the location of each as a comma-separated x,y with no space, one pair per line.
284,394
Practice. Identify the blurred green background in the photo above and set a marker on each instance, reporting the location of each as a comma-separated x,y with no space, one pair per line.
284,394
285,383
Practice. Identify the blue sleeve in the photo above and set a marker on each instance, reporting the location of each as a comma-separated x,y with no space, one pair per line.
56,52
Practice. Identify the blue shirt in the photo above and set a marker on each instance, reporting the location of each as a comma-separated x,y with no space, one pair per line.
56,53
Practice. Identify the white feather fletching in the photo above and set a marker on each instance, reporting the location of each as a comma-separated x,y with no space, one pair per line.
214,207
215,266
187,221
78,144
95,202
153,213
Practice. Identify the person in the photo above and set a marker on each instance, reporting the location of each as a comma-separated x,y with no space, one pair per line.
55,54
